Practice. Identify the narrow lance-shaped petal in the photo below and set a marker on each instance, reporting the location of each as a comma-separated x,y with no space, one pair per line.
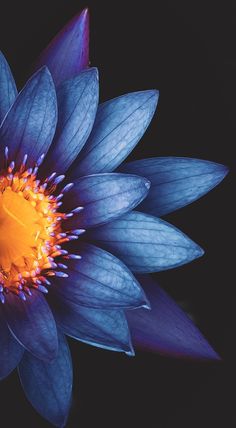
68,52
48,386
166,329
8,91
146,243
11,351
104,197
100,280
77,106
103,328
32,324
29,126
175,182
120,124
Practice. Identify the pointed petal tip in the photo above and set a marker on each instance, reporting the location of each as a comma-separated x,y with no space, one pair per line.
154,93
147,184
85,13
130,352
199,251
93,71
225,171
81,19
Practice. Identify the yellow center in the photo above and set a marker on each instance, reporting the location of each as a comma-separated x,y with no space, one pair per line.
30,231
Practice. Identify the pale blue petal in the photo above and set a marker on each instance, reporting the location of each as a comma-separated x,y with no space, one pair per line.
146,243
68,52
103,328
104,198
175,182
32,324
99,280
10,350
30,124
77,106
120,124
8,91
48,386
166,329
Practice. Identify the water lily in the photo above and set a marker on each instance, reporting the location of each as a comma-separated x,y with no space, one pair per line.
79,232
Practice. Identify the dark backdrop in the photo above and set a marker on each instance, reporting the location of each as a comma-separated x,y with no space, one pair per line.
186,49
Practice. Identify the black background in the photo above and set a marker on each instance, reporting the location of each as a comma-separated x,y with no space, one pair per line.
186,49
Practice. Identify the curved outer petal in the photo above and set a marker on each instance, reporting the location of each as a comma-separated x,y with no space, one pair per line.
175,182
107,329
100,280
146,243
32,324
166,329
119,125
30,124
48,386
68,52
104,197
10,350
8,90
77,105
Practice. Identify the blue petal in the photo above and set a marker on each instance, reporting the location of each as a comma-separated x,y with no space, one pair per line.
100,280
166,329
32,324
104,197
175,182
107,329
68,52
77,105
146,243
11,351
48,386
30,124
120,124
8,90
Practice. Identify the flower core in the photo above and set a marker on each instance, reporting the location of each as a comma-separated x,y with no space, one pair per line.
30,229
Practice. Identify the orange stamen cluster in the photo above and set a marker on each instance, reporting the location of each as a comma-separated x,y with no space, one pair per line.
30,229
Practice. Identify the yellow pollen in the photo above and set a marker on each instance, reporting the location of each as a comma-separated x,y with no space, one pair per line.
30,228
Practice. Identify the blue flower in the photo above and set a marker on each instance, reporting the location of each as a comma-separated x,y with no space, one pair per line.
79,231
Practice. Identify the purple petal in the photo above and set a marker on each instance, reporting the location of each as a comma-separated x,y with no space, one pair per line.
166,329
32,324
103,328
175,182
104,198
8,90
48,386
100,280
77,106
30,124
11,351
145,243
120,124
68,52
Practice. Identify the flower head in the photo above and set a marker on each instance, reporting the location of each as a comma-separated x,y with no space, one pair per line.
72,245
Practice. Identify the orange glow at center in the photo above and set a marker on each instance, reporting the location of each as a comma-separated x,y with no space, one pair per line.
30,227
